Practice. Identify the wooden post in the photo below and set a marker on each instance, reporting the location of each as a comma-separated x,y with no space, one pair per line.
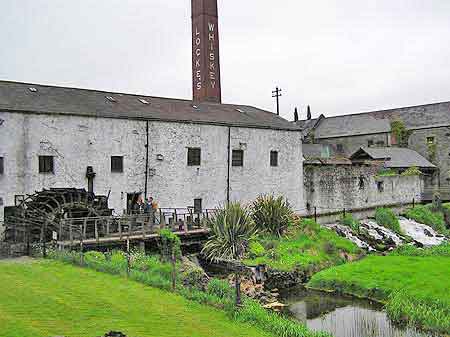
60,230
44,247
96,231
128,256
81,244
414,203
71,235
120,229
107,226
315,214
84,228
174,268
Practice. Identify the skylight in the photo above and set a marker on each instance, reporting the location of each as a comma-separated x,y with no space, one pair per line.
33,89
111,99
143,101
240,110
195,106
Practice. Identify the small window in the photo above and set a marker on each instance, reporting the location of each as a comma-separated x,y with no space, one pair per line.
339,148
197,205
2,168
370,143
380,186
430,140
19,199
273,158
46,164
117,164
361,183
237,158
194,156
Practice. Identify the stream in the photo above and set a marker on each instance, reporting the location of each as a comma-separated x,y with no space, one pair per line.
343,316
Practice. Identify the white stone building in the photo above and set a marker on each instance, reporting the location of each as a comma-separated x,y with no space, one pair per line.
207,152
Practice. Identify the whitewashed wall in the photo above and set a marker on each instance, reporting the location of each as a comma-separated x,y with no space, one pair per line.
78,142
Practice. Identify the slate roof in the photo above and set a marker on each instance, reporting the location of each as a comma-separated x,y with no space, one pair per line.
394,157
351,125
17,97
414,117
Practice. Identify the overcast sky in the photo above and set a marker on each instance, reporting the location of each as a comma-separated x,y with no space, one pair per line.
339,56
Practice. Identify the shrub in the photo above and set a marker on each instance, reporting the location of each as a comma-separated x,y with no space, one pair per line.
387,218
424,214
387,173
412,171
272,215
256,249
349,221
220,288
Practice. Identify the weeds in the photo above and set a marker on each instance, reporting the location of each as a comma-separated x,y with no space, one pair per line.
386,217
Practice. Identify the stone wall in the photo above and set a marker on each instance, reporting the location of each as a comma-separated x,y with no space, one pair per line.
351,144
333,188
418,142
78,142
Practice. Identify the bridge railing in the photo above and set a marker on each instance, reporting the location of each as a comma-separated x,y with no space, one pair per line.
182,220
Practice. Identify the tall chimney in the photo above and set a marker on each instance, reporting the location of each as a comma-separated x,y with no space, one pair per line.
205,52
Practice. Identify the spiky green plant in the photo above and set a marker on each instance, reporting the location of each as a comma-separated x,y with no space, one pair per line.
231,229
272,214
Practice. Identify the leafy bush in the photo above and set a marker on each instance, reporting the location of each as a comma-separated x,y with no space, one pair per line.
424,214
272,215
349,221
256,249
387,218
412,171
387,173
220,288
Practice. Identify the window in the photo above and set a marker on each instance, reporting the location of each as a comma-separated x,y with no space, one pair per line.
380,143
361,183
117,164
194,156
197,205
430,140
19,199
339,148
237,158
380,186
46,164
2,169
273,158
370,143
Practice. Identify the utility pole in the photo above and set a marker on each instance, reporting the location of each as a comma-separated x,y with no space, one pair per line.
277,94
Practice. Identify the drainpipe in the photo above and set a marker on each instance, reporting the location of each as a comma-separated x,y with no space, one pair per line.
228,162
146,160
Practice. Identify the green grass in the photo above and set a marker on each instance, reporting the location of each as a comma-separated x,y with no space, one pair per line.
416,289
306,246
386,217
49,298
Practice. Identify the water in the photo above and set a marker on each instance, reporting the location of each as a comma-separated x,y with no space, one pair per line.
343,316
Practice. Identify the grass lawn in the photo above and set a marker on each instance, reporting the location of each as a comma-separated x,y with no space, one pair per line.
415,288
305,246
49,298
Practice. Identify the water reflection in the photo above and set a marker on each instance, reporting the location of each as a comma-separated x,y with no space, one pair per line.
344,316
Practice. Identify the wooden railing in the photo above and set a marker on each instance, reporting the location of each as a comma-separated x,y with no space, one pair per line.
122,227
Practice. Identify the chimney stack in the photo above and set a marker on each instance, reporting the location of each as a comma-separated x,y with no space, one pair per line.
296,115
205,52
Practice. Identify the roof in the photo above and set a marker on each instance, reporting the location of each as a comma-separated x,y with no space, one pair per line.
351,125
394,157
414,117
45,99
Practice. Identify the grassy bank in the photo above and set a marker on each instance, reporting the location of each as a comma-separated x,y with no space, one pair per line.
305,246
48,298
150,271
413,284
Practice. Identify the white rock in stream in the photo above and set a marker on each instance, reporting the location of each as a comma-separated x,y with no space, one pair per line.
380,233
347,233
421,233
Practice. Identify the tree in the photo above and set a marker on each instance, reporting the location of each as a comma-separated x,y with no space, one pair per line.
171,251
231,229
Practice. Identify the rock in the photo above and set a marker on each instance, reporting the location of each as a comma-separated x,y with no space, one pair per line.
193,274
115,334
276,306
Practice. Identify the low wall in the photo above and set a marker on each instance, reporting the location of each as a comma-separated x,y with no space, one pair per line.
331,189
